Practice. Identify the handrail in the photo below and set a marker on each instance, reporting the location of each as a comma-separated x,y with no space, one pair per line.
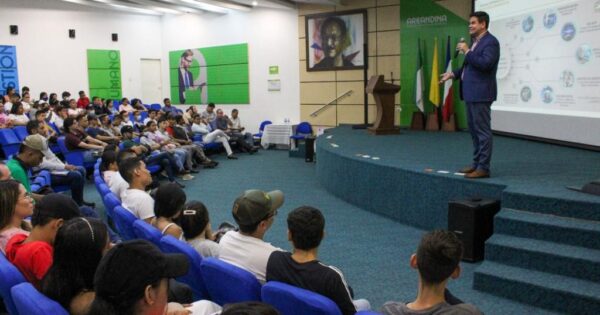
334,101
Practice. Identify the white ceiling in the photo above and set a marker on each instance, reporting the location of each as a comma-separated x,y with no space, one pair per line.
161,7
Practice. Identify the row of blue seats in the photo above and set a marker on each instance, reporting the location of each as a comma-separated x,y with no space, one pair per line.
212,278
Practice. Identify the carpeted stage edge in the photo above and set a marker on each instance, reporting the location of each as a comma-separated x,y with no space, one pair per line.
546,247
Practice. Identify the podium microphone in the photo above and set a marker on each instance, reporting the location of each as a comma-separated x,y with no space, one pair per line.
462,40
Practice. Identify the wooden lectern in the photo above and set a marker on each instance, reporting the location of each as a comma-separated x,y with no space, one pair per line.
384,94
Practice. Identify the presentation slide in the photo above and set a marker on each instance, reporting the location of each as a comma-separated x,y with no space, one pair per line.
549,71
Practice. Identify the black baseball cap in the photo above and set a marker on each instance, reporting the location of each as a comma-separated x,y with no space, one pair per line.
129,267
57,206
256,205
126,129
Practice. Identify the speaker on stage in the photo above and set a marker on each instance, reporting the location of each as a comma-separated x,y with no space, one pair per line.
309,153
473,222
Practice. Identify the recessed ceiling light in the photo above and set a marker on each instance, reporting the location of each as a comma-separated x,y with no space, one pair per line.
254,3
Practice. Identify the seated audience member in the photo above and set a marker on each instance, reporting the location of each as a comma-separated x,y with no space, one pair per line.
188,116
249,308
160,136
10,91
209,114
95,131
66,96
237,127
15,206
44,96
125,106
26,101
137,104
53,97
110,106
180,135
4,170
135,198
115,182
208,135
108,165
73,110
151,117
302,268
59,115
61,173
76,139
17,115
43,128
83,100
107,126
5,122
98,107
125,121
138,124
254,212
30,155
169,201
168,108
437,260
79,245
133,278
32,254
223,123
145,152
195,224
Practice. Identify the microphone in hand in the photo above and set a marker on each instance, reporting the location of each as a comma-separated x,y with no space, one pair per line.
462,40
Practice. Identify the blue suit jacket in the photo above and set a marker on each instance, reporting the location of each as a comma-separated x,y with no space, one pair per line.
479,67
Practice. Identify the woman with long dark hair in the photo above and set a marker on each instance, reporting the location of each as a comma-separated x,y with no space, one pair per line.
15,205
79,245
17,115
168,205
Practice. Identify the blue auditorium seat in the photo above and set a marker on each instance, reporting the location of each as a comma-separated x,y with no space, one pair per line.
291,300
9,277
21,132
261,128
193,278
146,231
220,277
30,301
9,141
123,220
73,157
110,202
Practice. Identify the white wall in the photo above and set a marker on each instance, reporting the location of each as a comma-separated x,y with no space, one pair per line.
51,61
271,35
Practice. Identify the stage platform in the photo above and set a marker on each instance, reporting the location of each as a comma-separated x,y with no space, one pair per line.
546,240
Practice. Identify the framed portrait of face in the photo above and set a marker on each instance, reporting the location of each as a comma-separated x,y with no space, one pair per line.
336,40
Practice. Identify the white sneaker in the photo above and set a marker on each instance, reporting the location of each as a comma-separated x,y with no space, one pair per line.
187,177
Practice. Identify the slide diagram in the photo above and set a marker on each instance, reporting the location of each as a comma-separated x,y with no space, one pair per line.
550,58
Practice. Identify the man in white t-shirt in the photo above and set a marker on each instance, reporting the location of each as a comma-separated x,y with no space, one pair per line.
254,212
136,199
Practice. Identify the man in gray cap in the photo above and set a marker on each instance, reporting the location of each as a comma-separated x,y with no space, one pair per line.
254,212
30,155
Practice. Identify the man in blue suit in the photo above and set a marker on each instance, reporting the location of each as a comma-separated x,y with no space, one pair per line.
478,89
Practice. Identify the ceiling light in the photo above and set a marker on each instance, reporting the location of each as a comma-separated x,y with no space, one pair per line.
254,3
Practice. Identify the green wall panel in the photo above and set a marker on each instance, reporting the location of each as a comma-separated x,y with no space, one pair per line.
104,73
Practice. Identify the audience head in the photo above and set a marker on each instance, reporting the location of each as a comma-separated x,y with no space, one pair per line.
68,123
167,102
255,210
220,113
66,95
194,219
151,126
152,113
169,201
4,172
31,150
124,115
73,103
79,245
40,115
10,90
124,101
179,120
162,122
105,120
132,278
127,132
63,111
15,202
82,120
249,308
124,155
17,108
306,227
96,101
53,97
108,103
109,161
234,113
81,94
52,211
438,257
44,96
32,127
134,171
197,119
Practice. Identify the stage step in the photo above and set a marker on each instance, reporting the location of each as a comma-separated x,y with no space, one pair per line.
541,289
560,259
586,209
570,231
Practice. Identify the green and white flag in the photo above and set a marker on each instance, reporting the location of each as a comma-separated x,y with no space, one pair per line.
419,87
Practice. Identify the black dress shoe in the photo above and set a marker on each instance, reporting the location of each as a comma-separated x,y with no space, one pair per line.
194,171
232,157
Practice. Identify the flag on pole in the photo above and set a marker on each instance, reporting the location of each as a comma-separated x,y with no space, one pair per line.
419,86
434,86
448,107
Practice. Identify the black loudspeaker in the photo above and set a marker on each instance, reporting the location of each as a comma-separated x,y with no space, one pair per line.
115,37
309,153
14,30
71,33
473,222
